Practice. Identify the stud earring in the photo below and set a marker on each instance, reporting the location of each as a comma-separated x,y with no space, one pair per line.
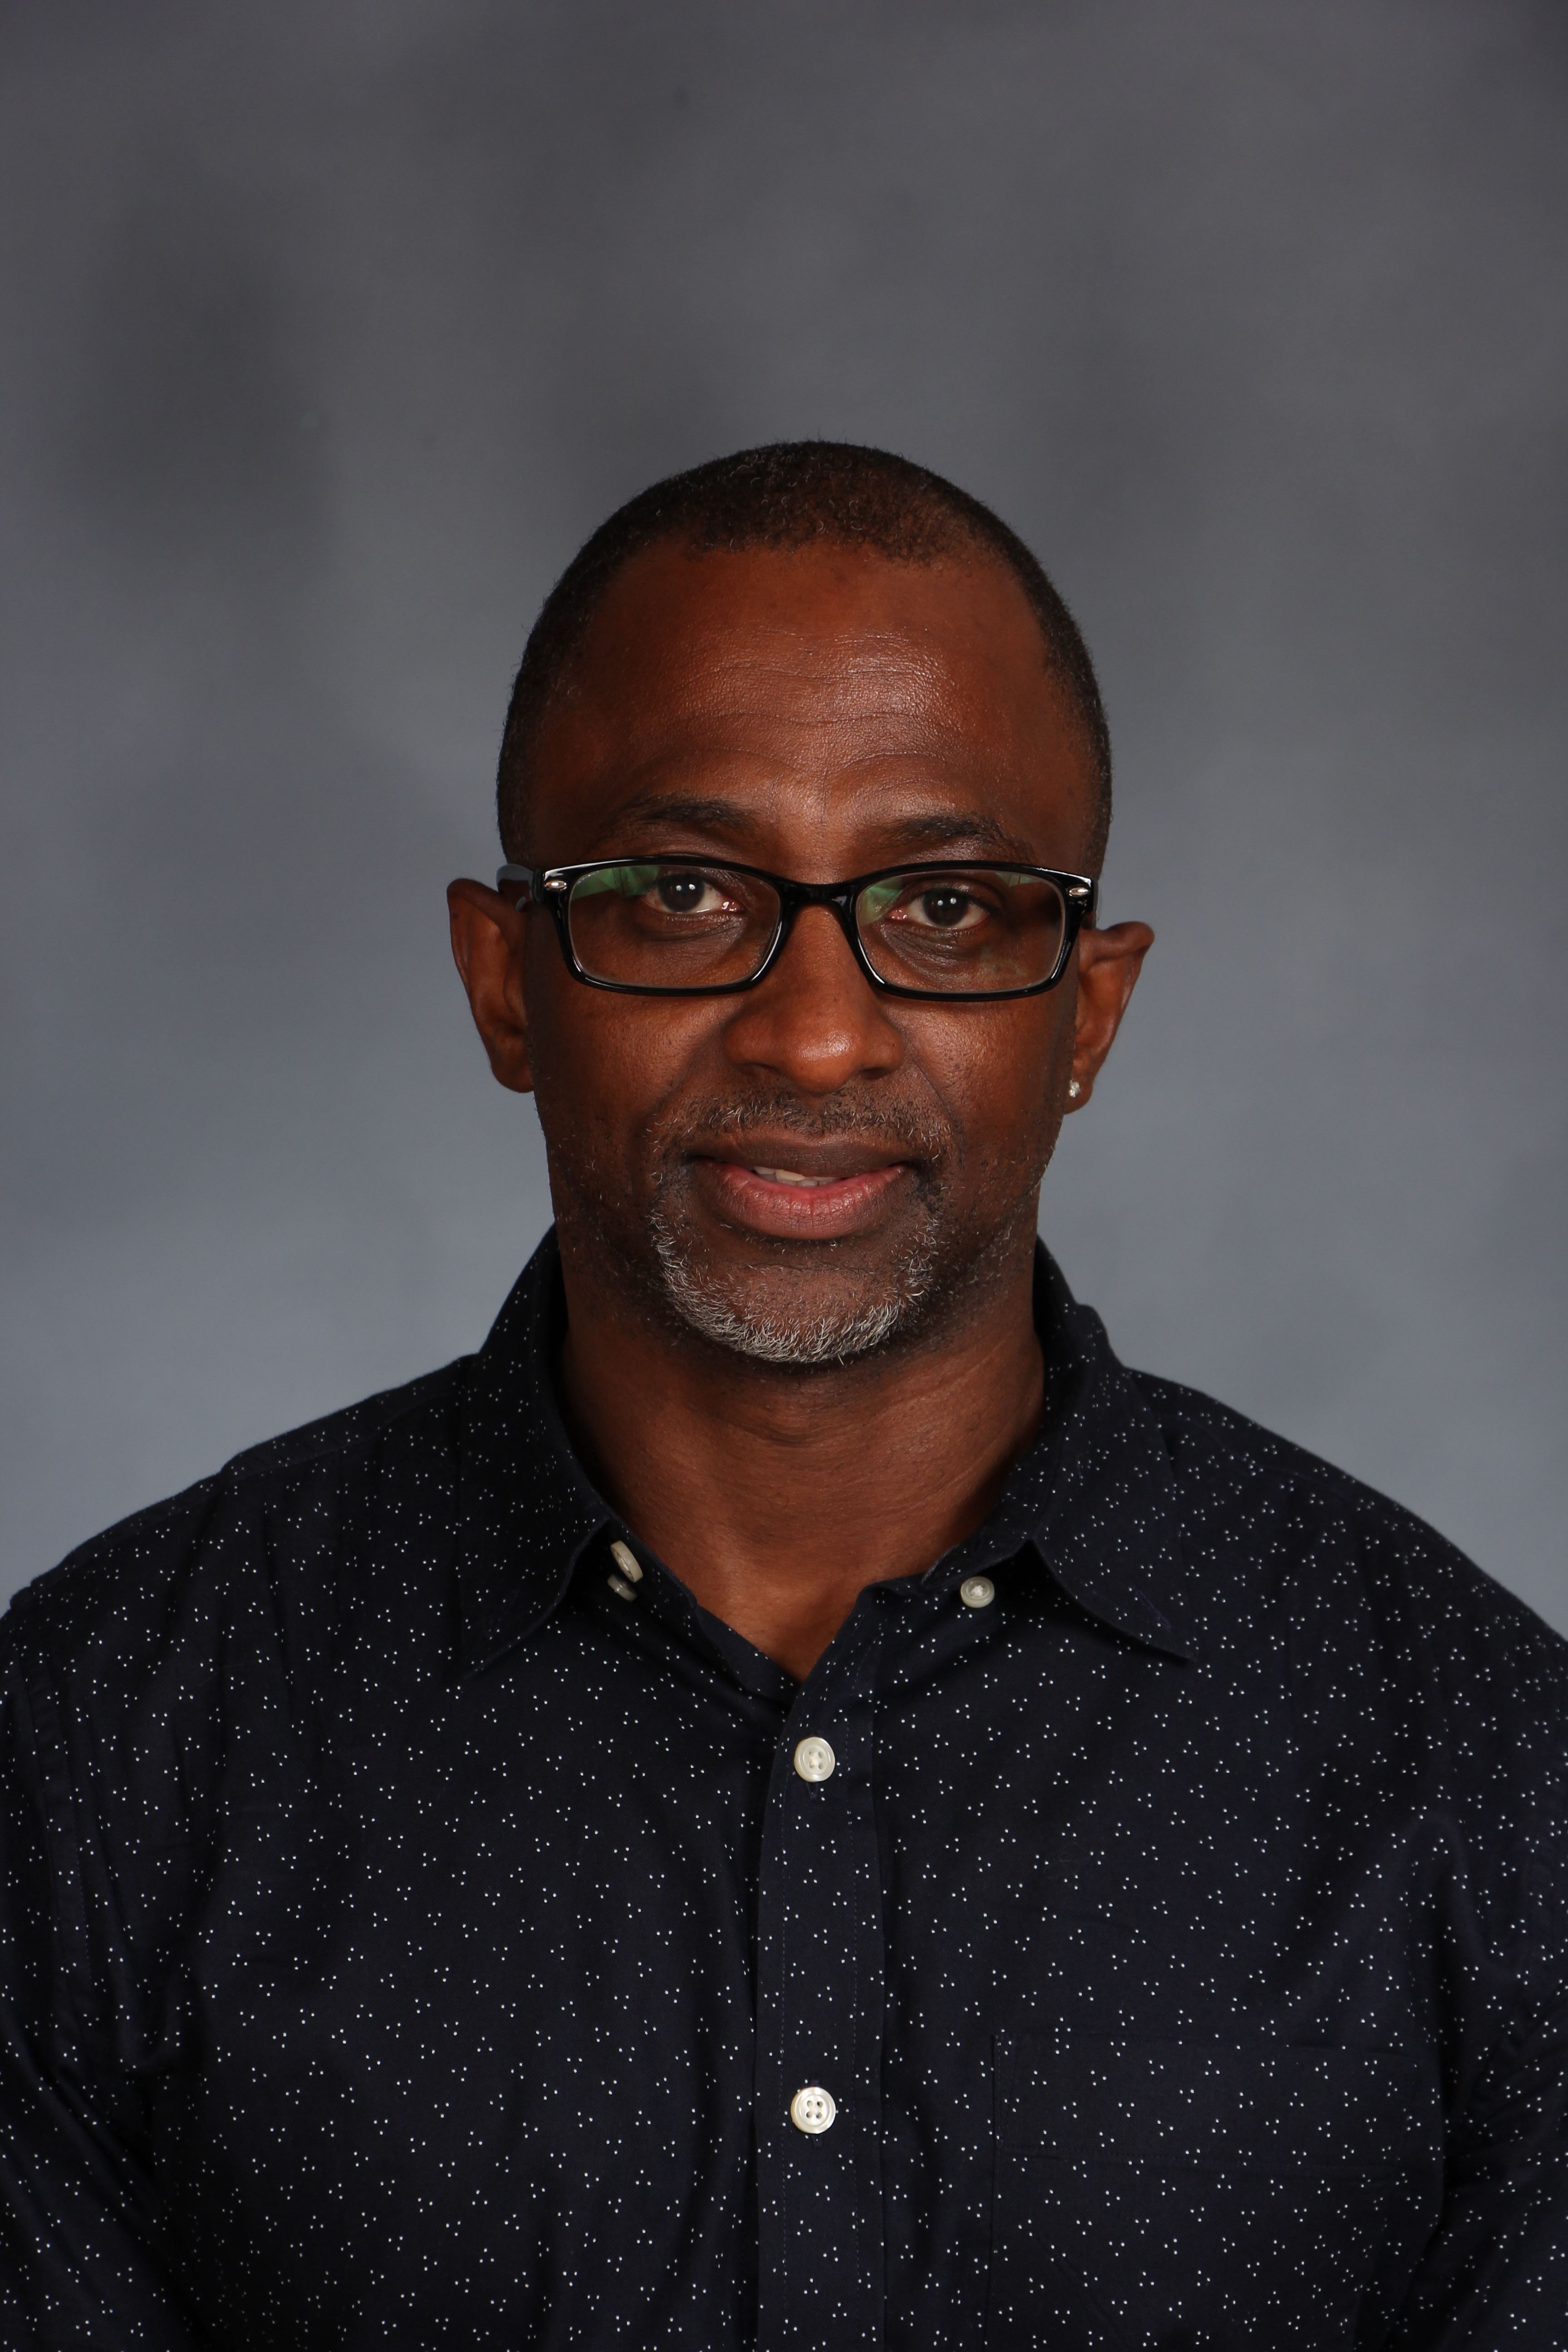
1074,1090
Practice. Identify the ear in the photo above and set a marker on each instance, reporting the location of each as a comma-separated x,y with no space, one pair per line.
488,936
1108,963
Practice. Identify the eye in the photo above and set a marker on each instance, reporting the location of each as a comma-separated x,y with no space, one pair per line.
680,892
942,906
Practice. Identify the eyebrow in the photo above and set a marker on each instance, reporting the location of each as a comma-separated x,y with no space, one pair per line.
934,829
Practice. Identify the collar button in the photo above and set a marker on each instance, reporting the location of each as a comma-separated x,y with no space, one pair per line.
814,1760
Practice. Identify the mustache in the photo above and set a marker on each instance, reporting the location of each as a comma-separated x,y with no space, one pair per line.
911,1132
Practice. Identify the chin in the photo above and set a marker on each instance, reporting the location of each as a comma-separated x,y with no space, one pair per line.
774,1319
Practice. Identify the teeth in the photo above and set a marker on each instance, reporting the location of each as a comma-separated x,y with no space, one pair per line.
790,1176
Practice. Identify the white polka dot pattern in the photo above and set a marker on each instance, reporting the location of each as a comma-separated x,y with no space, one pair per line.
417,1903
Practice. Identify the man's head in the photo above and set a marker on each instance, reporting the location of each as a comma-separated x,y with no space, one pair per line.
819,662
791,494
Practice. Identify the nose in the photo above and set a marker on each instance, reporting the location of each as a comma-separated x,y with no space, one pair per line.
816,1021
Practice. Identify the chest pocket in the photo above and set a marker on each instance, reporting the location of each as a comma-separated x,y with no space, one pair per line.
1186,2193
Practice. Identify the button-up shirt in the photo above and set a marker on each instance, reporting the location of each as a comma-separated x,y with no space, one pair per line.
423,1924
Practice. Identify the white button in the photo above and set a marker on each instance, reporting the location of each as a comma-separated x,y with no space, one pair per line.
626,1559
977,1593
814,1760
813,2109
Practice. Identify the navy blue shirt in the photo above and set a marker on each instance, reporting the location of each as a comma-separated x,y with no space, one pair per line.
418,1922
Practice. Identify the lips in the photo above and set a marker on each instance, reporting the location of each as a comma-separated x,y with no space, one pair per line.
817,1203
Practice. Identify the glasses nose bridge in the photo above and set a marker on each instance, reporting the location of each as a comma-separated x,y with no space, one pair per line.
839,896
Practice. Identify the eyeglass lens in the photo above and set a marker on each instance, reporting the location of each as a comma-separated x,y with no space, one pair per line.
954,931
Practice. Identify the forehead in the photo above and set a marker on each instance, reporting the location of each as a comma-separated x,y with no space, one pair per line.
825,690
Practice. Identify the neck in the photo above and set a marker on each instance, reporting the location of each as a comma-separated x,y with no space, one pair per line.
777,1496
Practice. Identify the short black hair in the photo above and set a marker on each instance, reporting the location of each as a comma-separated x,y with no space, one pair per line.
788,495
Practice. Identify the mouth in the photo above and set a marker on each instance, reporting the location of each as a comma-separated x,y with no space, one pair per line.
793,1176
838,1192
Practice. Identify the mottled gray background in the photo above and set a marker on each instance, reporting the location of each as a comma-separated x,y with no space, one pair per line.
330,329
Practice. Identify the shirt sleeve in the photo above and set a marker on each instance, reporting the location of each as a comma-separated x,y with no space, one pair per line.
76,2212
1495,2275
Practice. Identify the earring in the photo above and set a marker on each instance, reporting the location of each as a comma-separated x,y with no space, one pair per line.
1074,1090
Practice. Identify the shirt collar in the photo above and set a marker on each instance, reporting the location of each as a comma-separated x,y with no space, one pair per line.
527,1510
1094,1495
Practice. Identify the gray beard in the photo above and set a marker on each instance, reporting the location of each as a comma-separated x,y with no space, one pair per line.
803,1337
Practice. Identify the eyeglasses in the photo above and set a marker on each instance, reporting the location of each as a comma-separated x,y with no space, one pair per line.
688,927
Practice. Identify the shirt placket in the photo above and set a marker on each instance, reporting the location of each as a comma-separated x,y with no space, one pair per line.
820,1977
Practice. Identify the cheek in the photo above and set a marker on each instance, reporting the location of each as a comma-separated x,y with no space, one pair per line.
994,1069
603,1065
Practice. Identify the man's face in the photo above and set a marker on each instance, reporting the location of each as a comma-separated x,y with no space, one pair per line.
812,1168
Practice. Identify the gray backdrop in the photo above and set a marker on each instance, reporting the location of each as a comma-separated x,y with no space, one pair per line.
330,329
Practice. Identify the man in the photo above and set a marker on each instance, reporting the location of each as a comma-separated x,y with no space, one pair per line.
791,1800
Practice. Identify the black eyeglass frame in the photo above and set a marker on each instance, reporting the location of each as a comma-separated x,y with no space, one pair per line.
550,887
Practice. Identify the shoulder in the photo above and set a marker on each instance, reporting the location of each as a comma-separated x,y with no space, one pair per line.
177,1666
1256,1500
176,1573
1381,1618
